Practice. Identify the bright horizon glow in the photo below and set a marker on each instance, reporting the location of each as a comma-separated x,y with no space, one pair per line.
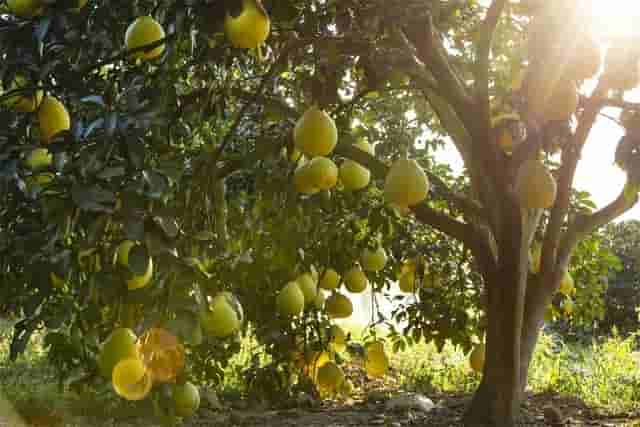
596,171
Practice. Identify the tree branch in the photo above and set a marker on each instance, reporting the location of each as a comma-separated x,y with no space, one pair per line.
484,51
570,157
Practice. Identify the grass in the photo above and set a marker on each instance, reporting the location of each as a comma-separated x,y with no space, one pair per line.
603,374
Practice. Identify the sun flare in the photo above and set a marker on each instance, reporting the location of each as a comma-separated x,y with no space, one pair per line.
614,18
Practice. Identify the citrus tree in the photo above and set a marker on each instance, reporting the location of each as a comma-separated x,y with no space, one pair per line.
169,171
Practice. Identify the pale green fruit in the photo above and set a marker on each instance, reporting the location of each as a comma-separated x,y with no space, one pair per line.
330,279
290,300
374,260
353,175
315,133
406,183
144,31
250,29
309,288
355,280
535,186
38,159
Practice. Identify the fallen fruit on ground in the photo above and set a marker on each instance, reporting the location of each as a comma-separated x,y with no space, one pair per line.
250,28
330,279
315,133
53,118
329,378
290,300
374,260
131,380
355,280
186,398
223,317
535,186
162,354
406,184
338,306
120,344
143,31
476,358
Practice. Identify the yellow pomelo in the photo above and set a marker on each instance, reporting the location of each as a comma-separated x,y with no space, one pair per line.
162,354
552,101
330,279
186,398
338,338
476,358
338,306
53,118
131,380
376,363
40,158
56,281
407,282
122,257
535,254
120,344
406,183
374,260
568,306
535,186
141,32
375,347
567,286
290,300
319,300
309,287
329,378
323,173
250,29
313,361
315,133
355,280
303,180
549,315
353,175
25,102
25,8
224,316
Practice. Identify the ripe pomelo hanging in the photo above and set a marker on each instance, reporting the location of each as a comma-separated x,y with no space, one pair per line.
303,180
53,118
131,380
476,358
552,101
338,338
375,347
568,306
323,173
330,279
120,344
407,282
186,398
122,257
309,287
338,306
355,280
250,28
315,133
38,159
365,146
535,185
376,363
290,300
353,175
406,183
223,317
374,260
329,378
143,31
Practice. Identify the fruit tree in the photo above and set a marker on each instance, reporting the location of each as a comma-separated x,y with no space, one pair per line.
173,171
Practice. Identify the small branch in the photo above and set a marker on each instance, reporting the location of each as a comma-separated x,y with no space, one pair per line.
585,224
570,157
484,50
